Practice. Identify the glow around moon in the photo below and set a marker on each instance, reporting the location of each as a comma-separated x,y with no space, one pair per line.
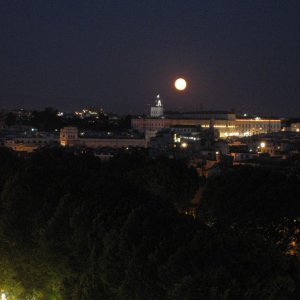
180,84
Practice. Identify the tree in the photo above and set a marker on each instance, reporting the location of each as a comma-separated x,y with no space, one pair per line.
72,227
251,195
10,119
46,120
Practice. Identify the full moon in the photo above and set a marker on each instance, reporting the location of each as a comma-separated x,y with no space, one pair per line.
180,84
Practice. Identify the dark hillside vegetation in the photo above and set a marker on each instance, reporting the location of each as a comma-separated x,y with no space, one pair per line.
72,227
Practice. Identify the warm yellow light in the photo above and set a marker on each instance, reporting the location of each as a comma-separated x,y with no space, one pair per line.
180,84
263,144
184,145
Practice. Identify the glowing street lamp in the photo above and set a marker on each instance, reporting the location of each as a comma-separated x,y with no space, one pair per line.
184,145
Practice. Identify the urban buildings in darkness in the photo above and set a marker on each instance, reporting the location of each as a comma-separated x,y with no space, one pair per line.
226,123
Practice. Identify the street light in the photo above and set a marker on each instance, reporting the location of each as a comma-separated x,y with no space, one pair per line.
184,145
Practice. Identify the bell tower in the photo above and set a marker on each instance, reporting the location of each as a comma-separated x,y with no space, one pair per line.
157,110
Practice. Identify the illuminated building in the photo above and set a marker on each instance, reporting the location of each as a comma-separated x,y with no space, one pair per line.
69,137
29,142
295,127
227,123
90,113
157,110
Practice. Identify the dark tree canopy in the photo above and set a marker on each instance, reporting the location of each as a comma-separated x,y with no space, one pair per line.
252,195
10,119
72,227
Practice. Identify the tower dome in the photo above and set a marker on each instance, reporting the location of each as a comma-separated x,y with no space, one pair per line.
157,110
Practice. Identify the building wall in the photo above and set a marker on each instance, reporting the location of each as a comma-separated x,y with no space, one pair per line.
29,144
114,143
69,137
242,156
156,111
295,127
20,147
247,127
226,127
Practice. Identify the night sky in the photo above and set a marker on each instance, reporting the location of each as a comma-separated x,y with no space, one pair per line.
242,54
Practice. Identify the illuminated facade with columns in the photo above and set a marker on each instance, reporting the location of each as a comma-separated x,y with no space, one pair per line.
227,123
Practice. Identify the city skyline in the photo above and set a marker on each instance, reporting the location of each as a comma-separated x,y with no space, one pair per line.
119,54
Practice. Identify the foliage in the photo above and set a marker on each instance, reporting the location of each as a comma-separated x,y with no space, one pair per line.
257,200
251,195
46,119
10,119
72,227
